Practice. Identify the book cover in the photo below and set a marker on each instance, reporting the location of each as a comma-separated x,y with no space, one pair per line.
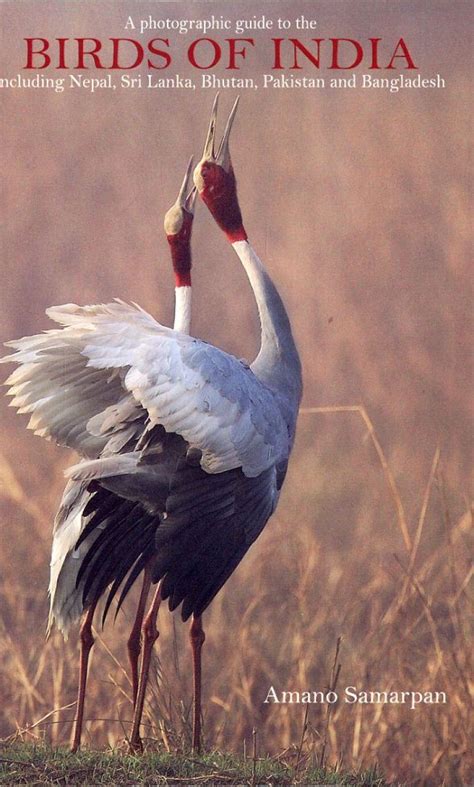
341,640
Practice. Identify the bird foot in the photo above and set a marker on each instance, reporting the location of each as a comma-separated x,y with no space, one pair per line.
135,746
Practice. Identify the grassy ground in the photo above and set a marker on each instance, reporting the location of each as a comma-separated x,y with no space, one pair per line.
38,764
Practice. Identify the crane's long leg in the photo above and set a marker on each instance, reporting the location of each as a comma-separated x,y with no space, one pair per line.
149,636
134,641
197,637
87,640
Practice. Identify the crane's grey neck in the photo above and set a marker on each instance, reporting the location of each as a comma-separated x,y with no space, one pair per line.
277,363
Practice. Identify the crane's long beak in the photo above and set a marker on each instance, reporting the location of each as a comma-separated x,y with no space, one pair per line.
222,158
223,154
186,200
208,152
191,200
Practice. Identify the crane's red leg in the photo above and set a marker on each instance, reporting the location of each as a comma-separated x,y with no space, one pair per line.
87,640
197,637
134,641
149,636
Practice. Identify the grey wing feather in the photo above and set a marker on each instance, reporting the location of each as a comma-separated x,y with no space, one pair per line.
65,598
140,475
211,522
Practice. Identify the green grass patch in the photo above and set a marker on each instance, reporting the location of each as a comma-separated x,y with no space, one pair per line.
22,763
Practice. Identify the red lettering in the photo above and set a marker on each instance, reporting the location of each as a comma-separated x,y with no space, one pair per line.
405,54
192,50
82,53
277,52
297,47
165,55
375,52
117,46
205,53
335,53
30,52
233,51
62,52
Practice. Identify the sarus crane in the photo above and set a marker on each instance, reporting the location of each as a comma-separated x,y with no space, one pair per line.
184,447
76,526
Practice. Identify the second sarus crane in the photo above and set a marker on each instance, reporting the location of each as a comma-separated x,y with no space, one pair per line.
184,447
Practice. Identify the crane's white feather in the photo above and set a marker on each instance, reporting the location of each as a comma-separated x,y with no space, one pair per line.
74,381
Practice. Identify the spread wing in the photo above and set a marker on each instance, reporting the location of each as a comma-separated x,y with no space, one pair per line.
91,384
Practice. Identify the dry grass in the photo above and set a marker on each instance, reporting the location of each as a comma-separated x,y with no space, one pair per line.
399,622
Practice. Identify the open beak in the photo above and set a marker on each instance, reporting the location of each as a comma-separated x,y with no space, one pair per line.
208,152
222,158
185,202
223,154
187,193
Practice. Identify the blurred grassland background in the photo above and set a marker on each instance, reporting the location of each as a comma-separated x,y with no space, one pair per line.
358,203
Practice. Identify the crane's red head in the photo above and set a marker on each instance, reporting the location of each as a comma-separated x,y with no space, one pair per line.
178,225
215,180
